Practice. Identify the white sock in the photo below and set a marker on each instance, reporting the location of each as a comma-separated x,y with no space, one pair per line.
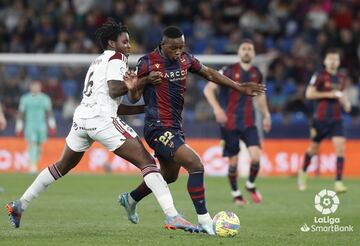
42,181
236,193
249,184
160,189
204,219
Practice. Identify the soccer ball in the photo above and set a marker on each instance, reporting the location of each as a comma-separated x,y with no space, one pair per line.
226,224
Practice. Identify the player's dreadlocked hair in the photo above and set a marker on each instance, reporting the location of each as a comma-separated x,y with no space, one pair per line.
108,31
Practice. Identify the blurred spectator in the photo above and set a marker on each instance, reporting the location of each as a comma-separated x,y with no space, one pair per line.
352,93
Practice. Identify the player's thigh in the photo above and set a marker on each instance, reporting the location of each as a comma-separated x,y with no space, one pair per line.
111,132
78,139
134,151
188,158
339,145
319,130
252,141
164,141
230,142
69,159
169,170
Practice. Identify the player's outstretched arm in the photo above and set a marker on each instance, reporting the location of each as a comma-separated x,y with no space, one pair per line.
313,94
210,95
249,88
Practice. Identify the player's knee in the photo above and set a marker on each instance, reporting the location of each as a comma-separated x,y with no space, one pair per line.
170,178
193,164
255,160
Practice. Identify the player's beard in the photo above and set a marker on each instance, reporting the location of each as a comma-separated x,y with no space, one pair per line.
246,60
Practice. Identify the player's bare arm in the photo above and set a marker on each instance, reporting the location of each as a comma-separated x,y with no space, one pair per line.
249,88
137,87
117,88
263,107
210,91
130,110
313,94
345,103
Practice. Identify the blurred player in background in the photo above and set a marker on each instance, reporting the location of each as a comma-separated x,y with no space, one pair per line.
235,114
325,88
95,119
35,119
2,119
2,127
169,65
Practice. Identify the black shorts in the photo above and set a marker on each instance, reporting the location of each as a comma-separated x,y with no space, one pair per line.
164,141
231,139
322,129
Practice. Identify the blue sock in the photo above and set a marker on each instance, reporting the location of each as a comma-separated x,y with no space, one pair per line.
196,190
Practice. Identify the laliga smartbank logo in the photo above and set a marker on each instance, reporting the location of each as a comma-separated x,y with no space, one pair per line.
326,202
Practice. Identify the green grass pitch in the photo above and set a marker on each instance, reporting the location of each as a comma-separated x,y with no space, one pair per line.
83,210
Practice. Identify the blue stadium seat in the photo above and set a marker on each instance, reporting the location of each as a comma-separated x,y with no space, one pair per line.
277,118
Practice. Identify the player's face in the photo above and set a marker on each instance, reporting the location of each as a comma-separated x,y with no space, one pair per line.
332,61
123,44
246,52
35,87
173,47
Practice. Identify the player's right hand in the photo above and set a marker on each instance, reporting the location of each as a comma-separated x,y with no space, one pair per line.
154,77
220,116
251,89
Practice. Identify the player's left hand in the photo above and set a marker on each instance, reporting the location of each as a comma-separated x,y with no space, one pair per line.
267,123
251,89
52,132
130,80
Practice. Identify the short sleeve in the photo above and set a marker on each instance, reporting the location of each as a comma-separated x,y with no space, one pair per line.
195,64
142,67
315,80
117,67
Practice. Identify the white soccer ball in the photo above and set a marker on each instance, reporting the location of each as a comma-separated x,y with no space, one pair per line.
226,224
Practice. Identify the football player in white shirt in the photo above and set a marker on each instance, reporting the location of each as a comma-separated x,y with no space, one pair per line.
95,119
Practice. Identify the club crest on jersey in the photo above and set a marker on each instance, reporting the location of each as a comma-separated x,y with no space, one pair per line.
157,65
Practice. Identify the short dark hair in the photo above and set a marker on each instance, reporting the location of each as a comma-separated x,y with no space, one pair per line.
332,50
247,41
172,32
108,31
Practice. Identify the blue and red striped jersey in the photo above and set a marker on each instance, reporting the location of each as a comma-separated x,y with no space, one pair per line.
164,102
326,108
239,108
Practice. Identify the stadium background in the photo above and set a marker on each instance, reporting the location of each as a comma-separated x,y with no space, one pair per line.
290,40
82,209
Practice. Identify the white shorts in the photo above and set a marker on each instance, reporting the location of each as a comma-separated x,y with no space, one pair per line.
111,132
